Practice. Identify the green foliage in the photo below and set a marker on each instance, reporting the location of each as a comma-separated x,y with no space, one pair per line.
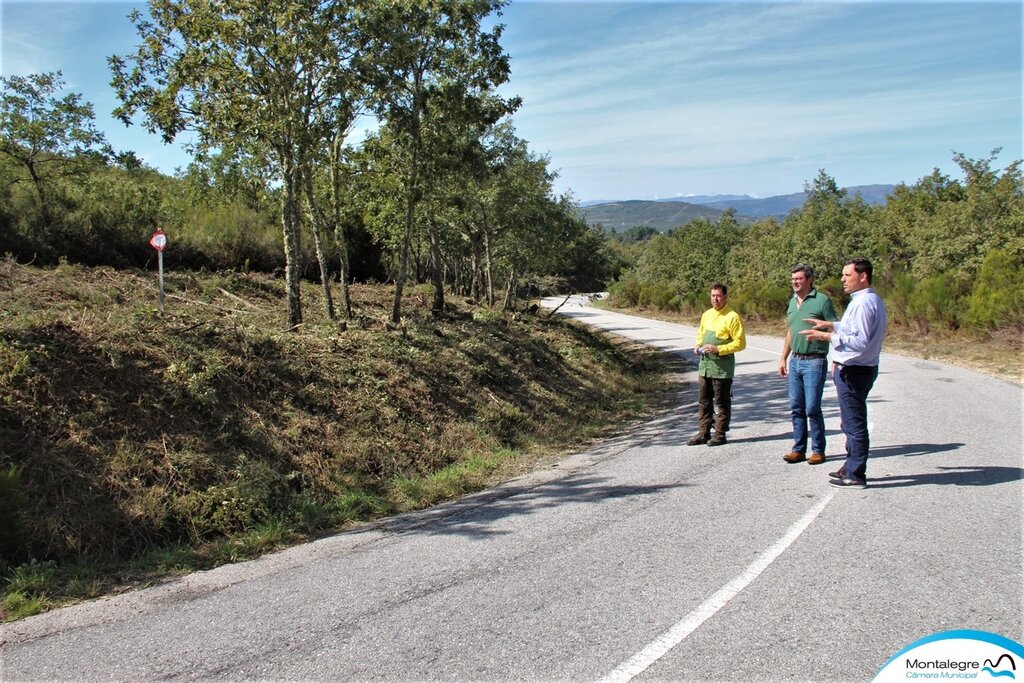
446,189
27,589
33,578
50,136
659,295
927,243
232,236
637,233
625,291
761,300
13,539
997,299
934,302
942,225
359,505
18,605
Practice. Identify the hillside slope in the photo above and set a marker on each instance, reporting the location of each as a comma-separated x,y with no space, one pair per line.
664,214
660,215
212,431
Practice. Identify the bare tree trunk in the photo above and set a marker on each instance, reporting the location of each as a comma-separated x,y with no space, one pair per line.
437,270
346,298
419,260
403,262
488,268
339,228
290,226
510,293
474,285
411,198
474,271
317,220
44,200
555,309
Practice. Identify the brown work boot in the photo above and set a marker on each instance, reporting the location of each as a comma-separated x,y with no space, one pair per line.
698,439
816,459
794,457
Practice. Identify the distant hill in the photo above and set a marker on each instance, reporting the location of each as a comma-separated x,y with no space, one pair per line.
782,204
706,199
663,214
762,208
660,215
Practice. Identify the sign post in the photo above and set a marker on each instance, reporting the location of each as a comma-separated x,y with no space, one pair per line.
158,241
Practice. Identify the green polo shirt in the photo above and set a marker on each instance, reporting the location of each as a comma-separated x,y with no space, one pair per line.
815,305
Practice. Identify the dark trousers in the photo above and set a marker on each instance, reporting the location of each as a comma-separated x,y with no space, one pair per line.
716,392
853,383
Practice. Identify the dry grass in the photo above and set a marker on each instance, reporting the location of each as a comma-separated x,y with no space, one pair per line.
999,355
210,433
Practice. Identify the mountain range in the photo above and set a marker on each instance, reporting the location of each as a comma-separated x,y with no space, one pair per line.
664,214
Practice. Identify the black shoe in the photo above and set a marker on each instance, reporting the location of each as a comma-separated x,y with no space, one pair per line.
838,474
849,483
698,439
717,440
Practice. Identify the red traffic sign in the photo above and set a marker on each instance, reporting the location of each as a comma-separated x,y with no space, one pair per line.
159,240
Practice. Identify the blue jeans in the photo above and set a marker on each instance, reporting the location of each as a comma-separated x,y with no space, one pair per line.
806,382
853,383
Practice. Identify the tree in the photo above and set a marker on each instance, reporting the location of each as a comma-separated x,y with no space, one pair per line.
637,233
430,65
942,225
270,77
828,229
515,228
997,299
49,136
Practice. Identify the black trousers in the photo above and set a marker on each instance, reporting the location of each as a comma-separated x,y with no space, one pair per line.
853,383
714,393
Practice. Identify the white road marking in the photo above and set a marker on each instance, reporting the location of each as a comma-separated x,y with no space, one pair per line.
758,348
668,640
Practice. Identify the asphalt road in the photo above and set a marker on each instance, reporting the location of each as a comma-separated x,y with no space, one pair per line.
642,558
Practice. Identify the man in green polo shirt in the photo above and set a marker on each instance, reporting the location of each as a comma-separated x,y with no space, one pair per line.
805,364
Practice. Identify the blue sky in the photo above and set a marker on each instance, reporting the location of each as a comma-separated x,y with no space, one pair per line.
664,99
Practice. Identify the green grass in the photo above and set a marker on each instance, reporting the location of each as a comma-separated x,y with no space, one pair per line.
135,447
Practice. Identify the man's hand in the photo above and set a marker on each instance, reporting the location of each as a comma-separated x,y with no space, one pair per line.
783,368
820,325
817,335
821,330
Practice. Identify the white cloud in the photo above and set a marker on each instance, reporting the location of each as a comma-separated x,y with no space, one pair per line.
783,86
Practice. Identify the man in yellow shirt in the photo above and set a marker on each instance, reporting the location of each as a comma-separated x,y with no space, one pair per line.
719,337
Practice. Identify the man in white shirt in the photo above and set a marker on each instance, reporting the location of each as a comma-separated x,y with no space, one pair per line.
856,344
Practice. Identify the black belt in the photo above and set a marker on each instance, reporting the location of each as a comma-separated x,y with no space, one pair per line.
809,355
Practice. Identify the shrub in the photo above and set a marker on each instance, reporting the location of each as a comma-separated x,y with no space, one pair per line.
997,299
660,295
761,301
13,545
625,292
934,303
